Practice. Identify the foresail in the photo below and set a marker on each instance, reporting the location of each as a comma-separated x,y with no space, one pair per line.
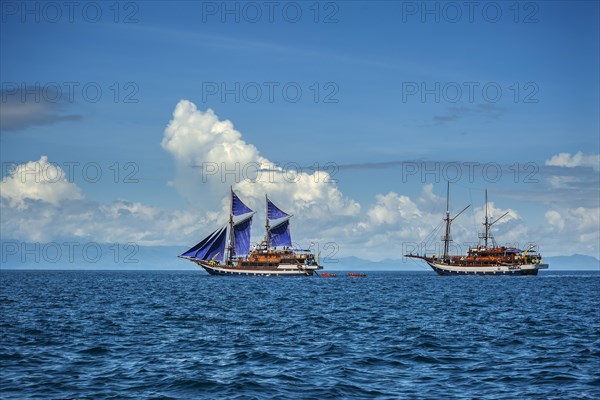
241,236
217,248
194,250
238,207
211,247
279,235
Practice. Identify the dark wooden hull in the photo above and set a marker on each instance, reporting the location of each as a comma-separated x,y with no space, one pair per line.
494,270
267,270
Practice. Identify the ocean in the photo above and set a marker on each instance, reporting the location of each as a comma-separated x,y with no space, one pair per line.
184,334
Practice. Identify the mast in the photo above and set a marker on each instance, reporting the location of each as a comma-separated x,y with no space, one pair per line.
487,235
486,223
447,219
230,247
267,227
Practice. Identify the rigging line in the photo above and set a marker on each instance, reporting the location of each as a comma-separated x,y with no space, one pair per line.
427,238
434,233
419,264
436,230
473,216
431,236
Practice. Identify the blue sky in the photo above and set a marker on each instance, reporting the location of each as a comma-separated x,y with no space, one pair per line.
362,68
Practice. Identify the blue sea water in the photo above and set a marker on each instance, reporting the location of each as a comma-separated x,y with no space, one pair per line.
158,334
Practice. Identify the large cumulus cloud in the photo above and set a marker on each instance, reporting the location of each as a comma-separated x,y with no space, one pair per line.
199,139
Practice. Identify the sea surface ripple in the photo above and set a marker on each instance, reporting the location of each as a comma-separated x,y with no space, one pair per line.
184,334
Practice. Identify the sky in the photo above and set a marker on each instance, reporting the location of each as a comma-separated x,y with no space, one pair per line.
128,122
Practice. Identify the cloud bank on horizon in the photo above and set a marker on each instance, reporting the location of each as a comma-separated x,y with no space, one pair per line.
38,208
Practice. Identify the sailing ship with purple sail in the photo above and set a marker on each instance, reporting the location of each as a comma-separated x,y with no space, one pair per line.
226,251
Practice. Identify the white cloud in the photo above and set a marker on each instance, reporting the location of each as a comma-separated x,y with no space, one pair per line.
573,230
508,230
494,213
575,160
396,220
196,136
199,138
558,182
38,180
393,225
428,199
391,208
584,219
41,207
553,218
40,204
117,222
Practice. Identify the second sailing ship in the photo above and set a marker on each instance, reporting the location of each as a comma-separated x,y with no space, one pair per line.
487,258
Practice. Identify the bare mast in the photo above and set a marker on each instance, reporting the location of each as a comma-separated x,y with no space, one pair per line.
449,220
486,223
489,224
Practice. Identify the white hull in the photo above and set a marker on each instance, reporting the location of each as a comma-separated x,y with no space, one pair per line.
524,269
281,270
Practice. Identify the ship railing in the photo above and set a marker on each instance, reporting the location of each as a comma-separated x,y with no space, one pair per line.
302,250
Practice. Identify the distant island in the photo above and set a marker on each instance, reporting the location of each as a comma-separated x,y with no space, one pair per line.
20,255
576,262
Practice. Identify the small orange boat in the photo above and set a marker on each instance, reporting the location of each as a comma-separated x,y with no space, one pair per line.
357,275
328,275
